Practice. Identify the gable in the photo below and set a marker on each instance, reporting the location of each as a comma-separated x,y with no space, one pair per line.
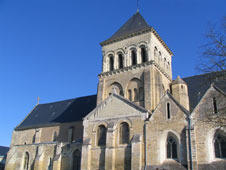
116,107
176,110
205,107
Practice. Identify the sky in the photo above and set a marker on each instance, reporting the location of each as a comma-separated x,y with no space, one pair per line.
50,48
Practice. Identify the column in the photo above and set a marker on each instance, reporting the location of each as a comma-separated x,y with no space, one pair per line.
110,149
136,153
86,155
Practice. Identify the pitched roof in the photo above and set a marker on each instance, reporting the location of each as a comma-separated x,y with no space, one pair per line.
135,24
3,150
58,112
199,84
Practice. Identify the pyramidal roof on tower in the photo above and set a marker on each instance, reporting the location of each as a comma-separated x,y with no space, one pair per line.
134,25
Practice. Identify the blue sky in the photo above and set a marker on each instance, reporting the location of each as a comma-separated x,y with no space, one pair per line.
50,48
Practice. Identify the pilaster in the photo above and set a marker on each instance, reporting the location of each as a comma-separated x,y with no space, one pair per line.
86,155
136,162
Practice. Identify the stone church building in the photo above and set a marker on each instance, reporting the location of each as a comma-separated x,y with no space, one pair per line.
140,119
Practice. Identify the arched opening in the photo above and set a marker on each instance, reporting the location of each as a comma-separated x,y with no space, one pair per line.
115,88
120,61
136,95
143,54
156,52
111,62
134,57
124,133
220,144
135,91
168,110
71,134
171,148
76,160
215,105
26,161
101,135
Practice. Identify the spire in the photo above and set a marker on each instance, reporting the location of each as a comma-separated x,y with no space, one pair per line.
135,24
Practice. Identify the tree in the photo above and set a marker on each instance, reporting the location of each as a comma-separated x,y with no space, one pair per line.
213,52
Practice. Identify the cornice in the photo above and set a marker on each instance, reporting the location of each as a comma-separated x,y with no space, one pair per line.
134,67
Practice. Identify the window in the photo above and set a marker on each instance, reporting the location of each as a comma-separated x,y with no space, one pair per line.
143,54
134,57
26,161
141,94
220,146
124,133
54,136
101,135
171,148
111,62
76,160
34,137
155,51
130,95
120,60
70,134
215,105
168,111
136,95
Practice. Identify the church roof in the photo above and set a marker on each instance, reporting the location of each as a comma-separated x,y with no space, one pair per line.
58,112
3,150
199,84
135,24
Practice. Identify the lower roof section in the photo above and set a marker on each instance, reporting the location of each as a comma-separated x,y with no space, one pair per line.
58,112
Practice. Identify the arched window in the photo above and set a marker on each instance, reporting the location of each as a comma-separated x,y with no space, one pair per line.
215,105
34,138
168,110
220,146
70,134
101,135
171,148
111,62
76,160
136,95
143,54
134,57
155,52
130,95
26,161
124,133
120,61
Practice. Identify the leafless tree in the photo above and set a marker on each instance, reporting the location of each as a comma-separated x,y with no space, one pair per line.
213,52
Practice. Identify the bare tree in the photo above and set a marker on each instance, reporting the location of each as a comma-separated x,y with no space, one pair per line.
213,52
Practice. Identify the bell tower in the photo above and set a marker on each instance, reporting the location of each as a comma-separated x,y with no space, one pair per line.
136,64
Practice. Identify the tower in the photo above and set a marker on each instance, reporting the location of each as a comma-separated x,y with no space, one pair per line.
136,64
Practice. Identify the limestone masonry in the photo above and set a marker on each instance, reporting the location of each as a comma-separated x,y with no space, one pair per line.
140,118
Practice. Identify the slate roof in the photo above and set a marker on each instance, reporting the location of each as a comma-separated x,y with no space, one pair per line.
3,150
58,112
199,84
135,24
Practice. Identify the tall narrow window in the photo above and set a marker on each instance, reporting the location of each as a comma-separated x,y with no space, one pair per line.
55,136
34,138
141,94
101,135
171,148
111,62
70,134
215,105
136,95
120,60
220,146
124,133
26,161
130,95
168,111
134,57
76,160
143,54
155,52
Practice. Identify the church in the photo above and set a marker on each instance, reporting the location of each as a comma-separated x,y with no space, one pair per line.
140,118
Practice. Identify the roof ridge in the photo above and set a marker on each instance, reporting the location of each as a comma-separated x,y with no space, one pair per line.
66,100
222,71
